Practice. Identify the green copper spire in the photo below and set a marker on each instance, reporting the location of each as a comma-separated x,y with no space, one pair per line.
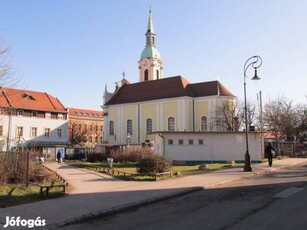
150,50
150,63
150,28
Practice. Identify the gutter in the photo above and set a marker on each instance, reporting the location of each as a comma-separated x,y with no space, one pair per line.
160,135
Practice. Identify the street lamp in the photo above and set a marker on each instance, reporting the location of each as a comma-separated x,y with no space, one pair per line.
252,61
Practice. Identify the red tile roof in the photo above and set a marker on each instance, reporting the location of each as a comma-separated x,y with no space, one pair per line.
170,87
84,112
29,100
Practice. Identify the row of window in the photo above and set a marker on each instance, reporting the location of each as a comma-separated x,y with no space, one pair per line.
34,132
90,139
47,133
129,126
149,123
182,142
90,127
59,116
89,114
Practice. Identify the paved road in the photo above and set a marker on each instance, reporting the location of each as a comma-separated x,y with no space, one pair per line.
277,200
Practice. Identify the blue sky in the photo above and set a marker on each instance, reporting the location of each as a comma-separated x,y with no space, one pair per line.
72,48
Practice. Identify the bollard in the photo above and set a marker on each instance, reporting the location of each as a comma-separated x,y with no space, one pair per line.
110,162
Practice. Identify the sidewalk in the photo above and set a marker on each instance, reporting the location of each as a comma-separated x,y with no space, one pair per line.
95,194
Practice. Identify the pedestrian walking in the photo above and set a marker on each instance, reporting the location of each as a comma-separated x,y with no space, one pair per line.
58,156
269,150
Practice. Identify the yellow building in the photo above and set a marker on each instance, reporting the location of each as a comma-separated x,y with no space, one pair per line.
160,104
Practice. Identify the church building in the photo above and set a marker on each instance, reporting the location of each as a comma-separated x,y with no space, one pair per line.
160,104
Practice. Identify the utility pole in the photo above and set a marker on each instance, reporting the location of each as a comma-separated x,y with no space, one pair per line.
261,123
27,167
8,139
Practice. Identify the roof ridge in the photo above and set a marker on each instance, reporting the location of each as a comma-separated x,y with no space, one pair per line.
6,97
195,83
50,100
73,108
61,104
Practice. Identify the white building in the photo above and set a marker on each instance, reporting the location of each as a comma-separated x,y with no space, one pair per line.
198,147
32,120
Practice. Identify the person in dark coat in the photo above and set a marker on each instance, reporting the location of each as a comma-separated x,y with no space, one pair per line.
58,156
268,151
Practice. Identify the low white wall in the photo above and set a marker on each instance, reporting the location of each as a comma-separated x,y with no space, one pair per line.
213,146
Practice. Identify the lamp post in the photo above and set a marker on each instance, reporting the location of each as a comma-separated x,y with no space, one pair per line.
252,61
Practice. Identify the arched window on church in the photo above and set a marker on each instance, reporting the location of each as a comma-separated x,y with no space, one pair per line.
129,127
203,123
148,125
171,124
158,77
111,128
146,75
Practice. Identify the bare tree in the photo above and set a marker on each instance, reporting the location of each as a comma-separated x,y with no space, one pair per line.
301,120
228,113
4,68
7,79
225,116
284,119
77,136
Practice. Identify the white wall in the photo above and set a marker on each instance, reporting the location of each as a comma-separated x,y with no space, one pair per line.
216,146
27,123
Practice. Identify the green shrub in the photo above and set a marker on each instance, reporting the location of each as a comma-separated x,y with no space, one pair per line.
154,164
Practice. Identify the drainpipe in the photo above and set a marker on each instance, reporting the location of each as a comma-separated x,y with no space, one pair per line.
163,149
193,114
139,128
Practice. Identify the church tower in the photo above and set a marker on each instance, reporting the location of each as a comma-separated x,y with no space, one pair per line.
150,64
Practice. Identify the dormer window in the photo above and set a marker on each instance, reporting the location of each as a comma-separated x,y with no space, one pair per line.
28,96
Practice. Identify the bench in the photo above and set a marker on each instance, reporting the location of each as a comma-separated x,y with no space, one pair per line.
162,174
47,188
